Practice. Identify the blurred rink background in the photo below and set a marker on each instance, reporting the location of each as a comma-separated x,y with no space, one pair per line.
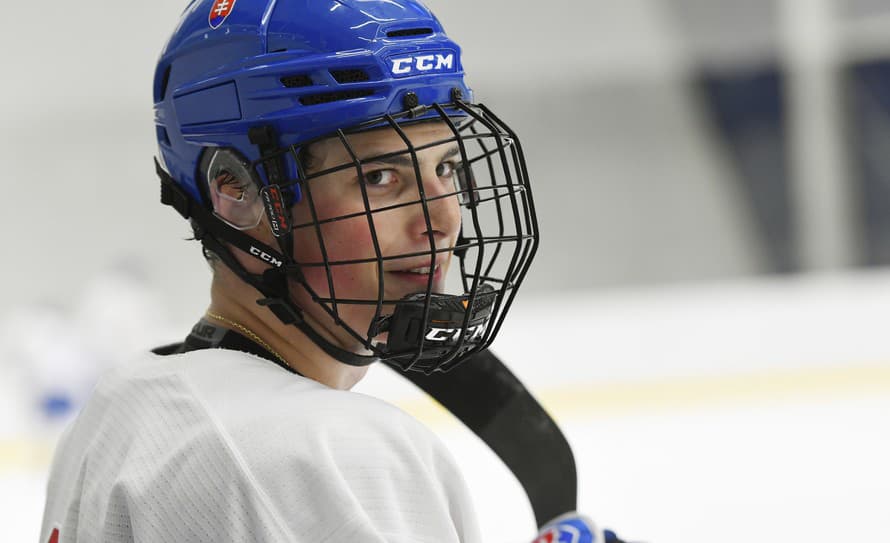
707,316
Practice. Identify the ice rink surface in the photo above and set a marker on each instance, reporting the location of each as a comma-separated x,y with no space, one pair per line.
811,471
754,411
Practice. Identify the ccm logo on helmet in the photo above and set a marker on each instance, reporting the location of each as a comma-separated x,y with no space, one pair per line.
265,257
418,64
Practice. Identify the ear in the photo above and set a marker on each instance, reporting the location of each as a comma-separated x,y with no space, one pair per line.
235,200
225,194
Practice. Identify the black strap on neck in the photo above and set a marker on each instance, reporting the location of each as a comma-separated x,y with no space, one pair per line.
272,284
207,335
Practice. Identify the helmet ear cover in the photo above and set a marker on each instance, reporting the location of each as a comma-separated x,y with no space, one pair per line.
231,187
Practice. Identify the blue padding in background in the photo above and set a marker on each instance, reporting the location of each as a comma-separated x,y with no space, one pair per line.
748,113
867,87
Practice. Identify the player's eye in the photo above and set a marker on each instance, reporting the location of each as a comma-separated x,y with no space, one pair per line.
445,169
380,177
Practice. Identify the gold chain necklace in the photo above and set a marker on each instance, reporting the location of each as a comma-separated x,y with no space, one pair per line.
249,334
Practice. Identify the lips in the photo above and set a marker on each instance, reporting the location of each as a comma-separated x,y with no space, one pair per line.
416,272
418,275
423,271
417,265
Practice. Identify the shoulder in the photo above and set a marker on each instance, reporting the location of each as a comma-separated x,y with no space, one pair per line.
145,450
294,416
268,416
240,392
333,458
354,463
226,431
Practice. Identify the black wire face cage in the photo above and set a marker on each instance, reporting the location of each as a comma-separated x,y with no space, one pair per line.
425,329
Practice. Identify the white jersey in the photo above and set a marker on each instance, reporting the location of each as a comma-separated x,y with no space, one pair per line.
219,445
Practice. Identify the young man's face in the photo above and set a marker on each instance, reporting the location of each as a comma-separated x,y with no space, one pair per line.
400,230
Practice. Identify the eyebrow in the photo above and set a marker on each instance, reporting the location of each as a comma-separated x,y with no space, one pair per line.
405,161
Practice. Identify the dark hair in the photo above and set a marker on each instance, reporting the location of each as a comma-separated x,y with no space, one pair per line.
307,160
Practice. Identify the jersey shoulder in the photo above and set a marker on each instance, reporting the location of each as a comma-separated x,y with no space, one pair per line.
145,452
225,446
343,465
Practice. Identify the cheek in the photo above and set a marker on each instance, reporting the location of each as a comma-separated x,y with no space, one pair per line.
348,239
342,240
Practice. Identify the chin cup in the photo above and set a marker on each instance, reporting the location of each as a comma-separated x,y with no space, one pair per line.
440,333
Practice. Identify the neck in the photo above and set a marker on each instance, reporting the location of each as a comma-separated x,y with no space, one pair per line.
235,301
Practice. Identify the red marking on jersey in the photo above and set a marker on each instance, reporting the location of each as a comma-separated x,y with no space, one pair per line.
54,537
219,11
546,538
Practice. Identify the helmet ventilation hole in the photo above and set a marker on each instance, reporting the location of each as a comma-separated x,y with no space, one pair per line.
409,32
293,81
161,91
315,99
350,76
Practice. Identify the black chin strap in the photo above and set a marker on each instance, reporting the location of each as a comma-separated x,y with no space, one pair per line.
272,284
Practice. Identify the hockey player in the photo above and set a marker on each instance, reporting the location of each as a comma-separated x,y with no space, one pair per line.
356,207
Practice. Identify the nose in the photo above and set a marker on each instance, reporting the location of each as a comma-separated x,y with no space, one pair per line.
444,211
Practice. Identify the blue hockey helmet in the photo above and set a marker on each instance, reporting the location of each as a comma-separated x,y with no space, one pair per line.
246,85
305,68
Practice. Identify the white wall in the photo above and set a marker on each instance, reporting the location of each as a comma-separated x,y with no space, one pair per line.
612,139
